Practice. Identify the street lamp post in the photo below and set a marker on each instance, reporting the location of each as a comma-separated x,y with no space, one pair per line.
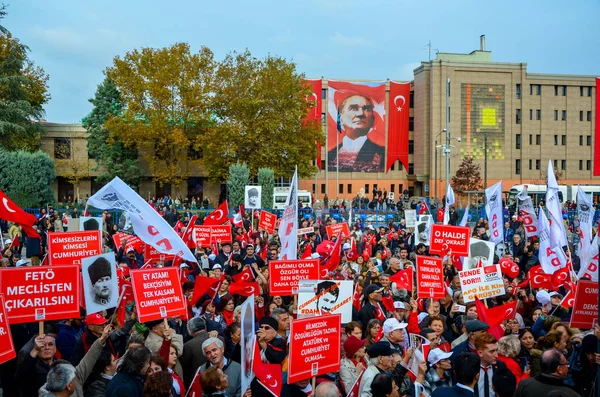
485,160
447,129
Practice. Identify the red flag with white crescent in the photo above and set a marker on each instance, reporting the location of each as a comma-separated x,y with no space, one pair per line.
244,289
218,216
269,376
245,275
399,113
403,279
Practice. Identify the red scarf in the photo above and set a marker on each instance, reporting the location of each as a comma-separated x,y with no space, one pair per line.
228,317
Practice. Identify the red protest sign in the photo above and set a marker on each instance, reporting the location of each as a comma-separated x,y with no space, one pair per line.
157,293
585,309
285,274
40,293
314,346
132,241
201,236
150,253
337,228
306,230
267,221
7,349
221,234
68,248
430,278
446,237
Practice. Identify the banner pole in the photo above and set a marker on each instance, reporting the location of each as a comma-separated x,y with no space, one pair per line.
314,384
41,328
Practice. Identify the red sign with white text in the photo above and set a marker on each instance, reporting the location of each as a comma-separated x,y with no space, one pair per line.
267,221
430,278
447,237
158,293
585,309
132,241
201,236
150,253
221,234
314,346
337,228
7,349
40,293
285,274
68,248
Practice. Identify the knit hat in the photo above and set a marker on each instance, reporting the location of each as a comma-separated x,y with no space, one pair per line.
91,224
589,344
352,344
98,269
270,321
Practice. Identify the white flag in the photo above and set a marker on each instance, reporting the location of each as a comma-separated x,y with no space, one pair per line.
150,227
493,208
465,217
527,214
585,213
551,258
288,229
558,234
589,265
449,202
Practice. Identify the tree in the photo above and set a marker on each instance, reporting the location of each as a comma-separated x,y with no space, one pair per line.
259,106
468,176
112,157
23,92
239,178
266,179
166,96
27,177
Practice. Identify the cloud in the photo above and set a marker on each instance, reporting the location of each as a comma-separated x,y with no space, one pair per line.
59,37
340,39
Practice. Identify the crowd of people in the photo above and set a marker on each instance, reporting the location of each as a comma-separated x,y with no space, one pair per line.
535,353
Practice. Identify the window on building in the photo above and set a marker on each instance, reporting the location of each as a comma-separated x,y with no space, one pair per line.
323,164
530,114
62,148
555,115
588,164
518,141
531,89
563,90
538,89
581,115
580,140
341,188
588,140
449,116
412,99
411,123
517,166
530,139
322,188
564,115
411,147
518,91
518,116
580,91
411,168
323,93
530,162
555,164
538,114
366,188
349,188
538,139
580,165
323,118
393,188
555,90
563,164
555,140
314,188
537,164
589,91
563,140
589,115
393,167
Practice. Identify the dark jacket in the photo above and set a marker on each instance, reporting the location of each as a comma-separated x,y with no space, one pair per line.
116,343
66,340
192,357
367,312
31,375
125,385
139,259
453,391
541,385
97,387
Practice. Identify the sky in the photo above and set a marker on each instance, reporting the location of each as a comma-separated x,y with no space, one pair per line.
75,40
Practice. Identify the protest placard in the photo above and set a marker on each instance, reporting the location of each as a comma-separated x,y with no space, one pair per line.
446,237
267,221
411,217
90,223
285,274
314,347
40,293
485,282
201,236
221,234
420,346
247,342
479,250
585,309
151,254
338,228
430,277
316,298
133,242
7,349
68,248
306,230
158,293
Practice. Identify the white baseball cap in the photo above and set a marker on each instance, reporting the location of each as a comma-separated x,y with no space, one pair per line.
315,255
346,246
21,262
391,324
8,241
554,293
217,266
436,355
399,305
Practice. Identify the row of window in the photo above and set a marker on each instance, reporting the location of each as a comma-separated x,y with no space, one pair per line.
563,140
563,165
349,188
559,90
563,115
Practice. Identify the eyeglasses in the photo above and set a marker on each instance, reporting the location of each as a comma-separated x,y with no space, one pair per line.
266,327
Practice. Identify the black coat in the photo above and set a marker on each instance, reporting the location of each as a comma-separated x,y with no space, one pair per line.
453,391
125,385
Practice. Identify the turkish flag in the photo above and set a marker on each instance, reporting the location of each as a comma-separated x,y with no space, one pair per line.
538,278
508,267
379,333
560,276
178,226
307,252
244,289
569,299
206,285
269,376
245,275
398,124
195,389
334,257
218,216
11,212
424,208
496,315
403,279
16,242
356,298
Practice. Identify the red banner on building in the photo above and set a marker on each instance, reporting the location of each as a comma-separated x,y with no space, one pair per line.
40,293
150,253
585,309
158,293
337,228
7,349
399,115
446,237
314,347
68,248
314,114
132,241
597,135
221,234
430,277
267,221
285,274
